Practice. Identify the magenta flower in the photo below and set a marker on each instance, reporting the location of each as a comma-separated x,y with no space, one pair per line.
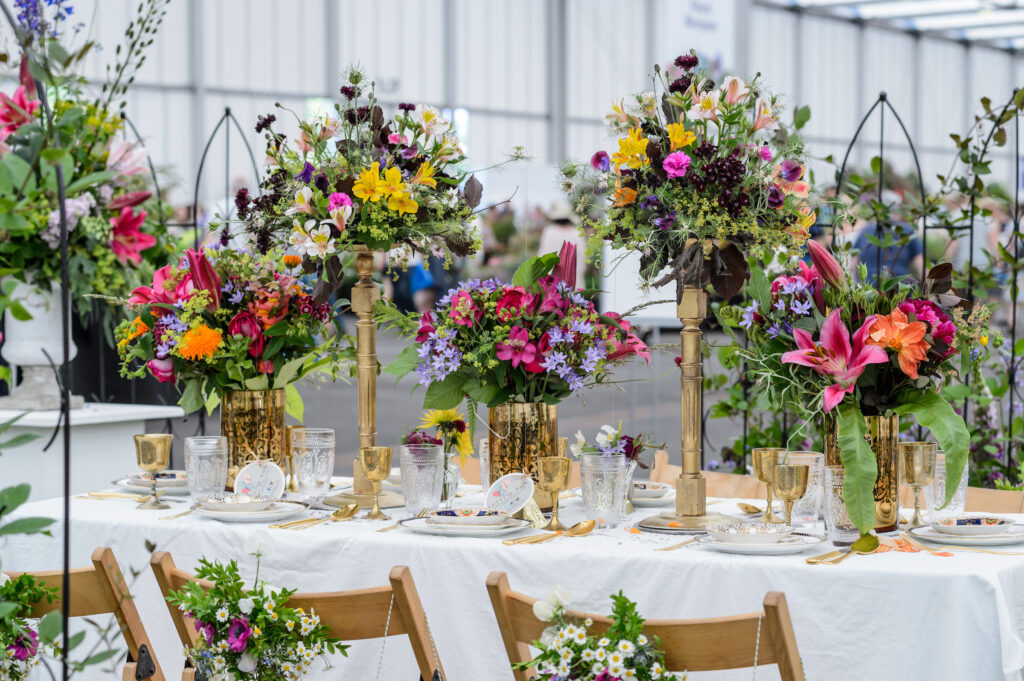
939,323
766,153
553,301
162,369
338,200
514,301
566,267
775,197
208,631
426,327
238,633
518,348
17,110
835,356
464,310
826,264
127,242
676,164
601,162
25,646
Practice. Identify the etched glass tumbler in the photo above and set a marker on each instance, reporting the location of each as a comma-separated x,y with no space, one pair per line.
603,480
313,453
423,470
206,466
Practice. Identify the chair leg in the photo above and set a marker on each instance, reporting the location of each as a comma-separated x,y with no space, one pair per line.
188,674
779,627
128,671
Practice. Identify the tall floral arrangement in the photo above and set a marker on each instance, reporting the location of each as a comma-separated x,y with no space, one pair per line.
115,230
223,320
538,339
823,344
700,169
361,179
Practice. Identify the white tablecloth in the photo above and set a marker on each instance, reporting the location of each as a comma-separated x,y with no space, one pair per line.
895,616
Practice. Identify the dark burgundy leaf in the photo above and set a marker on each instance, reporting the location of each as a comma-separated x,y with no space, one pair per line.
728,271
473,191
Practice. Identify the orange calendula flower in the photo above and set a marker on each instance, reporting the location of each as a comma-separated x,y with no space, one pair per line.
895,332
199,343
623,196
292,260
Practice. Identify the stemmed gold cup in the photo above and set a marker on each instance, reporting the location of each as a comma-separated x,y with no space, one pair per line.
765,459
918,459
376,463
790,482
552,474
153,453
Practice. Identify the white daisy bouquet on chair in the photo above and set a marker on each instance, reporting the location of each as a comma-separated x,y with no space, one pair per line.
582,651
249,635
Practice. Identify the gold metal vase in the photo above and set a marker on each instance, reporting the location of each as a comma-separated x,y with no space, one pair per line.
519,433
253,423
883,436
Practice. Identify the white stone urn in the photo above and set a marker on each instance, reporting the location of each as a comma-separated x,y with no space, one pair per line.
23,346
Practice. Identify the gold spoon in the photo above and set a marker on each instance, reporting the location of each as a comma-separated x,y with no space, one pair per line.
578,530
344,513
749,508
814,560
292,524
866,545
176,515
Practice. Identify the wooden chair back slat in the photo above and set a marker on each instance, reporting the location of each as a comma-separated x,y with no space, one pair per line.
471,472
723,485
994,500
350,615
690,645
100,590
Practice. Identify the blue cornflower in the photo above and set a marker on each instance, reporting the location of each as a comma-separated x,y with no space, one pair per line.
748,315
593,355
780,305
173,323
802,308
577,298
555,362
559,335
773,331
794,287
228,287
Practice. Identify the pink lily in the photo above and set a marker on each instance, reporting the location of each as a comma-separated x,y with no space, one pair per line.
826,264
566,267
835,357
204,276
159,292
764,119
127,241
127,159
518,348
17,110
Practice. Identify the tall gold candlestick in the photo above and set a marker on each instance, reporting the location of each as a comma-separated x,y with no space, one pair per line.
364,295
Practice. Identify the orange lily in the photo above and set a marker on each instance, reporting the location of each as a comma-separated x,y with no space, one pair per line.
895,332
623,196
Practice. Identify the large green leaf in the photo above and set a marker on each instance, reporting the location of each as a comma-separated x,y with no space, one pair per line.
446,394
13,497
191,398
533,269
860,468
50,627
26,526
407,361
946,426
289,371
759,288
293,402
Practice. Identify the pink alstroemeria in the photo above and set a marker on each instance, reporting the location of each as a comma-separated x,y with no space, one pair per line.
518,348
764,120
16,111
426,327
835,356
127,159
734,90
127,241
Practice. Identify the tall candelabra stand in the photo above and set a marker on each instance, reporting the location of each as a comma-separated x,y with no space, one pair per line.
691,488
364,295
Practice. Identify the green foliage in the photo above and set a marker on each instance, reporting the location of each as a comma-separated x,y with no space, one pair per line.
860,467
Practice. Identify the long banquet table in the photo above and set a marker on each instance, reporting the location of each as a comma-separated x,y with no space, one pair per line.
898,616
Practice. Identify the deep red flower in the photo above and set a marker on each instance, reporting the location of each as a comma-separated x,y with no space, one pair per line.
203,275
245,324
513,303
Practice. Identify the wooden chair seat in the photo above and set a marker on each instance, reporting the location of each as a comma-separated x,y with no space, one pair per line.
690,645
724,485
102,590
349,615
471,472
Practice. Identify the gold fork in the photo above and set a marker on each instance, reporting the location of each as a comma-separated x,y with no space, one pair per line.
176,515
817,560
422,514
679,545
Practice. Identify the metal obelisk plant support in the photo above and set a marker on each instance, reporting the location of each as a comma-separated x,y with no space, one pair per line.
365,294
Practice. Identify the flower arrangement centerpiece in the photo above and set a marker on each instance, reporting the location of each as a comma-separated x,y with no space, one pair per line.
856,356
237,329
570,649
519,349
611,441
249,635
20,646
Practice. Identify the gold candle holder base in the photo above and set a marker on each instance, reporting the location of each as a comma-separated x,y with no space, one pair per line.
684,523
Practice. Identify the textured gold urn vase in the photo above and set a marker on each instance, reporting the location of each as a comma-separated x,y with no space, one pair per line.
253,423
883,436
519,433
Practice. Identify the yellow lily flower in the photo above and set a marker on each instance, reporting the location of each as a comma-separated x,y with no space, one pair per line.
425,175
393,181
369,186
632,150
401,203
679,136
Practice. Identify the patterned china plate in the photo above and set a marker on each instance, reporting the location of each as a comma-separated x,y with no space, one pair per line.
422,526
509,493
164,479
793,544
279,511
127,485
1015,535
263,479
973,525
468,516
645,489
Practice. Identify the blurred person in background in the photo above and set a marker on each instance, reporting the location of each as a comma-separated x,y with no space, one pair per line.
901,258
562,227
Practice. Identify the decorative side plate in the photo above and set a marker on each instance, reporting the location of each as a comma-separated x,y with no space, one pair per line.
263,479
279,510
164,479
422,526
468,517
1013,535
510,493
973,525
795,543
750,533
236,503
650,490
127,485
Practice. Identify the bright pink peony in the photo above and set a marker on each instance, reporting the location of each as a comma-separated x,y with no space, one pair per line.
676,164
513,303
518,349
162,369
16,111
127,241
246,325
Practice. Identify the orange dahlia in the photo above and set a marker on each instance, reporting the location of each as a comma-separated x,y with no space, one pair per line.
199,342
906,338
137,328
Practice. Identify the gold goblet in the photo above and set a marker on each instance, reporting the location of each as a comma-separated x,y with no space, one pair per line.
790,480
918,459
376,463
765,459
553,477
153,452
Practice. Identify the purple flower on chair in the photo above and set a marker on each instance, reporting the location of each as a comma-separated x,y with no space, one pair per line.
238,633
25,646
208,631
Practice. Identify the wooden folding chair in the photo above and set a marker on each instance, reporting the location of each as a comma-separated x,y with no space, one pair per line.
690,645
101,590
349,615
471,472
723,485
994,500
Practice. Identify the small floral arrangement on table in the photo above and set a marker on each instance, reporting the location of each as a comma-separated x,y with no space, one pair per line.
20,645
537,340
701,169
363,180
610,440
230,320
250,635
570,649
905,342
451,432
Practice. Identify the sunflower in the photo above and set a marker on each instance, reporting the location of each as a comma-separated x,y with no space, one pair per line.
451,424
199,343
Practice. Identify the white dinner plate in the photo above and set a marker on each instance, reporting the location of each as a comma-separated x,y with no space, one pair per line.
645,489
649,502
126,484
279,511
793,544
423,527
165,479
1015,535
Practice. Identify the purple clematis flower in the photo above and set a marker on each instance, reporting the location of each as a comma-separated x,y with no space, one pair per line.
306,175
238,633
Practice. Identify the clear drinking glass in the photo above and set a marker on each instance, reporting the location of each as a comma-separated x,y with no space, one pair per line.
206,466
422,475
485,463
313,453
838,527
450,480
935,493
603,480
807,508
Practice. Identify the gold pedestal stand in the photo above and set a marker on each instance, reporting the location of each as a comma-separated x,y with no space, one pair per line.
364,295
691,488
